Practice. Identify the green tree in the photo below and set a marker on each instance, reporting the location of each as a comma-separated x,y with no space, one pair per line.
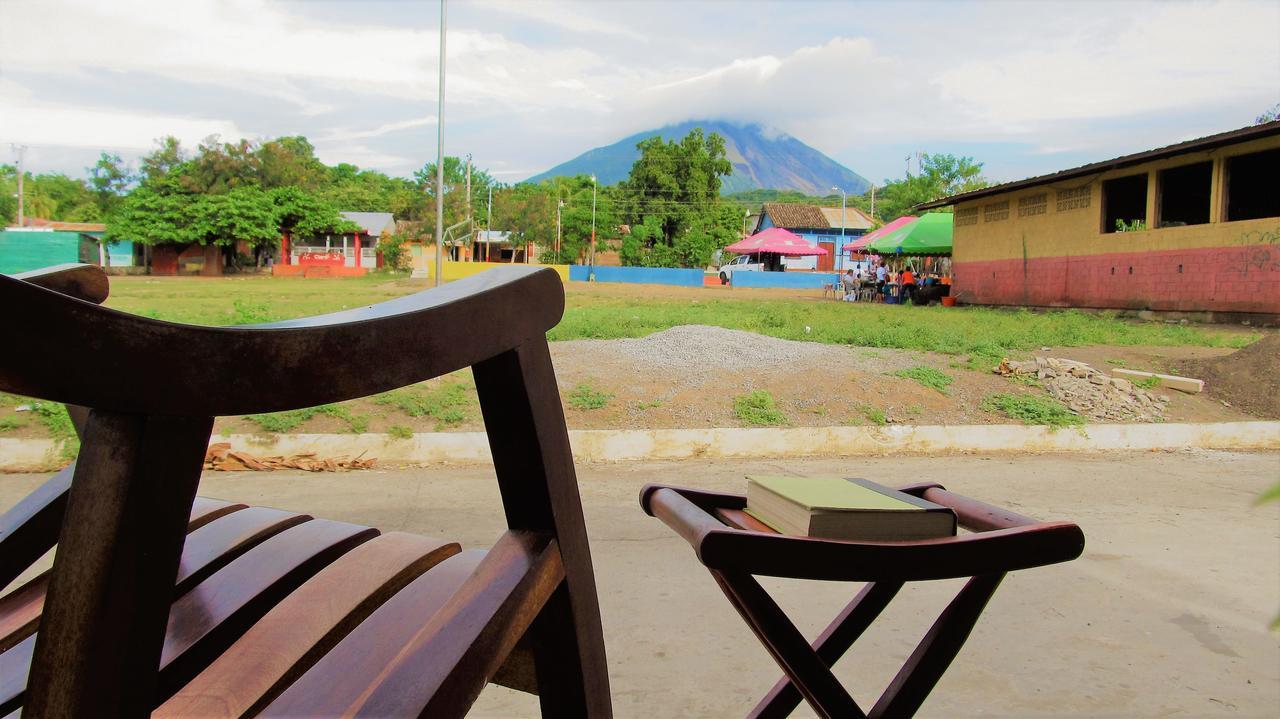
940,176
110,179
289,162
156,213
167,157
298,212
1269,115
672,201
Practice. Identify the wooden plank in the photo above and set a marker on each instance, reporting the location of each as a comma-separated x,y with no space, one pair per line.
446,663
218,543
206,620
346,673
207,548
305,626
206,509
30,527
1182,384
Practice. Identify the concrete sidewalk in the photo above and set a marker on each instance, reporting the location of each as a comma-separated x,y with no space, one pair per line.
1164,615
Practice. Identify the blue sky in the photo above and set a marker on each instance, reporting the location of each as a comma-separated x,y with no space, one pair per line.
1026,87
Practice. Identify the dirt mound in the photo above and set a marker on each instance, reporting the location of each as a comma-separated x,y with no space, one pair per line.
1248,378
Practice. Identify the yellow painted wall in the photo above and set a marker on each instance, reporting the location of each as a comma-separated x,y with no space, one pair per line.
1076,232
424,258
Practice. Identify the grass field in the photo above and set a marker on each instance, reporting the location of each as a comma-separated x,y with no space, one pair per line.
610,312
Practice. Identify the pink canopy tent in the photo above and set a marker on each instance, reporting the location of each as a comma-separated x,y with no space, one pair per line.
777,241
860,244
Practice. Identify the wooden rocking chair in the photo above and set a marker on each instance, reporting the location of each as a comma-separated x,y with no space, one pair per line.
160,601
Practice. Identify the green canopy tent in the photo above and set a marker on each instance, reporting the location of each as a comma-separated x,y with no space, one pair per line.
930,234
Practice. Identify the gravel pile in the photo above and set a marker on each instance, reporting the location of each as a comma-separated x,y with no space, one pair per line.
1089,392
694,346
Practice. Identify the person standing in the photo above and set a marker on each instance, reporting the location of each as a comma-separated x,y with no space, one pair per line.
908,284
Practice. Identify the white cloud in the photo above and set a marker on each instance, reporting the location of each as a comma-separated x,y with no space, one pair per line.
379,131
1169,56
570,16
27,120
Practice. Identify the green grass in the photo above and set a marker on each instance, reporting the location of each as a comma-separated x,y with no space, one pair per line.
283,422
584,396
758,408
399,431
1117,362
1032,409
448,403
984,334
8,423
57,422
927,376
1147,382
651,404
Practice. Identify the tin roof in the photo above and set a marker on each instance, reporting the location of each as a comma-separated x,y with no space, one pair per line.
375,223
1209,142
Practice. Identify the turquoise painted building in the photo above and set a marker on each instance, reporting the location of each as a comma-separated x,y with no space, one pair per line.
23,250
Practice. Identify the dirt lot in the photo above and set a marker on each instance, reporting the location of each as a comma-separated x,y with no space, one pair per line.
1165,615
688,377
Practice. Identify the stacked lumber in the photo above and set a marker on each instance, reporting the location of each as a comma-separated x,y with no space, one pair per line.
222,458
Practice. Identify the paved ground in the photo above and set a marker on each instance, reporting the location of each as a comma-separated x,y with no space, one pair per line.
1164,616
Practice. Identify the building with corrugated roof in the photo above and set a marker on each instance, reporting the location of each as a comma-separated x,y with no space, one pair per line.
819,226
1191,227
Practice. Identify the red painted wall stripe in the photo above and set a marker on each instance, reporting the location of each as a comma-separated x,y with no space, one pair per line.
1219,279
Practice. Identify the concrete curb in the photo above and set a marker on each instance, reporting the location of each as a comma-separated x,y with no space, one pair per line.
641,444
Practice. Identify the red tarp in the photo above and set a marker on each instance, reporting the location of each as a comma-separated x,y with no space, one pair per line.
860,244
778,241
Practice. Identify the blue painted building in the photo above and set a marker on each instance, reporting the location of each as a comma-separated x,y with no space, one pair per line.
818,226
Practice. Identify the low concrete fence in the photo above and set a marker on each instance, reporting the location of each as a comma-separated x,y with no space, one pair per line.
639,275
731,443
791,280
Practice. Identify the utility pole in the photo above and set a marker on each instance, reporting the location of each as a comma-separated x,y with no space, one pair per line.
488,225
440,157
593,227
844,196
873,203
21,150
471,230
559,207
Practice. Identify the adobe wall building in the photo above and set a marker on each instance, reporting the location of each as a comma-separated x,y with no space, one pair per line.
1192,227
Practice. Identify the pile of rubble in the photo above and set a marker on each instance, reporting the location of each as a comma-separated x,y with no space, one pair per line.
1089,392
221,457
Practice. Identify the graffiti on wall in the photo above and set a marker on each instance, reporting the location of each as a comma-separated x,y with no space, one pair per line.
1261,253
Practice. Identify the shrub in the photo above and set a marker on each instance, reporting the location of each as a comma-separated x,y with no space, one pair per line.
758,408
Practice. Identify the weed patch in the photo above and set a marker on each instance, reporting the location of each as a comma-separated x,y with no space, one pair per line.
927,376
874,415
8,423
399,431
283,422
446,403
758,408
55,419
1032,409
584,396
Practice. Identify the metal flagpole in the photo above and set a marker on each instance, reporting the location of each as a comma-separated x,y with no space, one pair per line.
440,157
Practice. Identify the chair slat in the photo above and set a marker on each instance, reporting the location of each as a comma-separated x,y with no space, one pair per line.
306,625
209,547
218,543
357,662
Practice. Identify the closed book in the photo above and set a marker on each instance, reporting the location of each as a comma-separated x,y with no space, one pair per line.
838,508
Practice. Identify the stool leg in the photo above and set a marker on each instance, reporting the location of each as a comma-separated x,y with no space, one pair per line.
810,675
834,641
934,654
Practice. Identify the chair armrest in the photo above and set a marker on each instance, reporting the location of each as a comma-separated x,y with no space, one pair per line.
167,368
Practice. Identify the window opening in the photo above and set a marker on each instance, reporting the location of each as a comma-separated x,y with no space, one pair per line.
1124,204
1252,189
1184,194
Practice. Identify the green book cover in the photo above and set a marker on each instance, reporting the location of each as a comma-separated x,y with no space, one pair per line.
836,493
